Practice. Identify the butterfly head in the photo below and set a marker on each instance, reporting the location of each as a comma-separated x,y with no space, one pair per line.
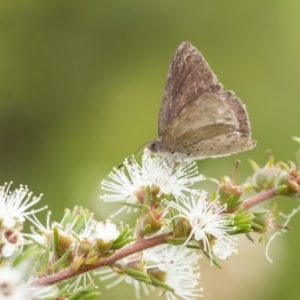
155,146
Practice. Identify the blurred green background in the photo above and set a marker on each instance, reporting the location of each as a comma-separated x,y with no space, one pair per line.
80,88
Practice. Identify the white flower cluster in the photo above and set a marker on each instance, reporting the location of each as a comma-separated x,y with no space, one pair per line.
171,189
15,284
153,172
13,211
180,267
15,280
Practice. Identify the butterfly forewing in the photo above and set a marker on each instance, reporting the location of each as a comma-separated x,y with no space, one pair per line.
188,77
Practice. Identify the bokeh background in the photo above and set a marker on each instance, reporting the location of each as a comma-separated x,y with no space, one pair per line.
80,88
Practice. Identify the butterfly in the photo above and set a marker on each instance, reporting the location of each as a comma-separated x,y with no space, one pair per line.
197,117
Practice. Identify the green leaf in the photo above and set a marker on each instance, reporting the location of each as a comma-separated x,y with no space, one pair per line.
158,283
61,261
56,239
214,261
141,276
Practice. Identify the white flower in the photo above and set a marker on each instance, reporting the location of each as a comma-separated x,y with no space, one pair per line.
77,224
11,240
14,205
180,266
222,248
107,231
41,233
8,250
88,231
206,219
169,178
155,172
15,285
109,274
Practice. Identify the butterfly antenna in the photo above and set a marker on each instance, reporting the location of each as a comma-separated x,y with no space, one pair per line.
138,151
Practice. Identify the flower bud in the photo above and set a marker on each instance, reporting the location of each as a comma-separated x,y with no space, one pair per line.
157,274
230,194
77,263
288,182
182,228
150,223
84,247
265,178
106,234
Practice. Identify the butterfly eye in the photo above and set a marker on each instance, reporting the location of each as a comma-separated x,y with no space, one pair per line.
155,146
171,150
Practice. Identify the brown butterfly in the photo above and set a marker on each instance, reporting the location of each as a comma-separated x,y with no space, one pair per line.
197,117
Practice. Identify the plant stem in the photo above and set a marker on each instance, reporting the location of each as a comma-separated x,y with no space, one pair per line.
258,198
109,261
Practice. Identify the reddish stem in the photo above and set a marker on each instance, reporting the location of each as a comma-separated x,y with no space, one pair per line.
258,198
109,261
137,247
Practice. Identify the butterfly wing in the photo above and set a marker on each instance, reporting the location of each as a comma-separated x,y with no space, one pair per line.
188,77
197,117
208,127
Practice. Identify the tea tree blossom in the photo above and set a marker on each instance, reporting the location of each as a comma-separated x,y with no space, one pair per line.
171,267
179,268
128,184
107,231
14,206
207,221
174,223
15,284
